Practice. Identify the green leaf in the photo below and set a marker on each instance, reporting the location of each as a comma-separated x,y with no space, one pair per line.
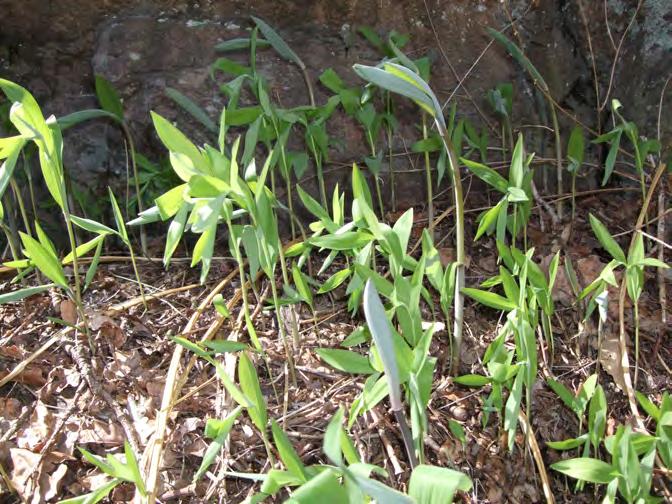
287,452
487,175
278,43
220,346
489,218
334,281
610,162
576,148
178,144
302,285
132,465
192,108
472,380
518,55
586,469
562,392
108,97
436,485
648,406
84,249
490,299
516,172
219,429
249,384
396,84
44,260
345,360
91,225
118,218
18,295
348,240
237,44
323,486
331,443
606,240
568,444
93,497
379,327
220,305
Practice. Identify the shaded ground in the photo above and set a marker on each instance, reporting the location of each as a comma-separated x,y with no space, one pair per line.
48,411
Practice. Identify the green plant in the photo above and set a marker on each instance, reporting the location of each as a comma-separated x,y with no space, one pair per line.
575,153
517,191
401,80
630,472
642,147
539,81
113,467
634,265
663,417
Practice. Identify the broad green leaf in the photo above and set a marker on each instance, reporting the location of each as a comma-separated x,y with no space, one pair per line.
83,249
237,44
349,240
108,97
516,172
287,452
174,233
249,384
586,469
302,285
118,218
219,430
93,497
576,148
176,142
568,444
436,485
91,225
489,218
278,43
324,486
487,175
606,240
331,443
192,108
18,295
381,492
396,84
334,281
220,305
562,392
518,55
345,360
220,346
379,327
472,380
44,260
490,299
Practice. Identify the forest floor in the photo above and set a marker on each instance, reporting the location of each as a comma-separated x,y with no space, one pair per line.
49,408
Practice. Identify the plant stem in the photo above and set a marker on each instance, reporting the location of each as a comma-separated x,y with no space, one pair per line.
407,437
281,328
138,193
635,303
428,181
389,149
320,175
22,207
558,156
459,246
375,178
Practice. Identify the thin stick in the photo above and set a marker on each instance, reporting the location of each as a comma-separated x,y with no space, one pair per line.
153,454
538,459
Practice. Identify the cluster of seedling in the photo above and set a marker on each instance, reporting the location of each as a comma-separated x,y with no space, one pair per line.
222,185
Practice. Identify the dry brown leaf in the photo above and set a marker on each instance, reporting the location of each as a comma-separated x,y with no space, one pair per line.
32,376
68,311
610,359
98,432
38,429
